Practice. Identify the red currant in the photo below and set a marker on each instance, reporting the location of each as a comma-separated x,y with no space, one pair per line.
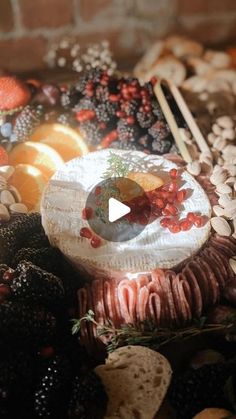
96,242
191,217
198,221
87,213
85,232
85,115
160,203
165,222
172,209
174,228
185,225
181,195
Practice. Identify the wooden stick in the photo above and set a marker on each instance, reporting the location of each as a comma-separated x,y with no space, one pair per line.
171,122
183,107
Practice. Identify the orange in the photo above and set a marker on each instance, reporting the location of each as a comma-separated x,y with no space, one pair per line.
30,183
147,181
45,158
66,141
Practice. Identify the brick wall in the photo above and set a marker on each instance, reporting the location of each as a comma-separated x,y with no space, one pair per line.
27,26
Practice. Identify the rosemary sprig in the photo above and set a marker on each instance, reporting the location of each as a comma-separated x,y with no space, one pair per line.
116,167
148,334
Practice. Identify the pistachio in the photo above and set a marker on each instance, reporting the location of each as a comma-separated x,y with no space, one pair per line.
230,209
224,200
232,263
211,138
6,171
216,129
15,193
218,177
194,168
228,134
231,168
222,188
18,208
221,226
218,210
7,198
231,180
4,214
230,150
225,122
219,143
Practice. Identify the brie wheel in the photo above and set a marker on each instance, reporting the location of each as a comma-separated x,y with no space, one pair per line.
155,247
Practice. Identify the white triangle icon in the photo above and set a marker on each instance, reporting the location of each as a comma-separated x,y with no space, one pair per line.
116,210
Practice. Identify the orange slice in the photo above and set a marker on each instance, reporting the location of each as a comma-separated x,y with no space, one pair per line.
45,158
147,181
66,141
30,183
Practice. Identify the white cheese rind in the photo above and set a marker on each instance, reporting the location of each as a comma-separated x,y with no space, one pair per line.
65,197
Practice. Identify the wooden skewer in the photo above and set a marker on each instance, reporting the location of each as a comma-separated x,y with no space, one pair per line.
183,107
171,122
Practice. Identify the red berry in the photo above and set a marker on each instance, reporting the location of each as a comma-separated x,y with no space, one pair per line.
102,125
46,352
154,80
173,173
87,213
198,221
109,138
96,242
160,203
3,157
185,225
130,120
85,232
5,290
13,93
165,222
120,114
85,115
172,209
191,216
172,187
114,98
143,220
181,195
174,228
98,190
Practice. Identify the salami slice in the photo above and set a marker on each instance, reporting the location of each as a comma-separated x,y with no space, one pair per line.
202,280
176,297
213,284
127,295
143,295
195,290
154,307
159,276
167,286
186,309
215,268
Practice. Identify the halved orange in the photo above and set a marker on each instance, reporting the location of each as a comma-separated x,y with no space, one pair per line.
30,183
147,181
65,140
45,158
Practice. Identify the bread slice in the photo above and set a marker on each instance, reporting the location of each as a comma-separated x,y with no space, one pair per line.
136,380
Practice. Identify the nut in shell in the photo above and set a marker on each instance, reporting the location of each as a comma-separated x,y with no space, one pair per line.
211,138
221,226
18,208
3,182
231,168
7,198
216,129
225,122
230,209
4,213
6,171
15,193
220,143
230,181
194,168
224,200
218,210
228,134
222,188
218,177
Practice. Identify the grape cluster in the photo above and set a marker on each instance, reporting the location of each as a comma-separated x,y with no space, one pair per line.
117,112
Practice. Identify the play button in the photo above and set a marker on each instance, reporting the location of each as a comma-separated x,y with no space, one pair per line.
116,210
120,209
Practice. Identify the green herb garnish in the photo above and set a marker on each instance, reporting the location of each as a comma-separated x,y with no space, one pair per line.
116,167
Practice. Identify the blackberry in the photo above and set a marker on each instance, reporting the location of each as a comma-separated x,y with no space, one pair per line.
53,389
197,389
47,258
85,104
130,107
70,98
161,146
102,94
26,121
37,240
125,131
112,107
145,119
16,380
102,114
7,245
91,132
21,323
159,130
88,393
33,284
64,119
156,110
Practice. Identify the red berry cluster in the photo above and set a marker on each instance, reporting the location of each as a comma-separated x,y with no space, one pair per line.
119,112
165,202
85,232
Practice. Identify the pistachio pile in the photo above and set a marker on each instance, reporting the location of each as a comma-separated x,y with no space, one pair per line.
219,164
10,199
